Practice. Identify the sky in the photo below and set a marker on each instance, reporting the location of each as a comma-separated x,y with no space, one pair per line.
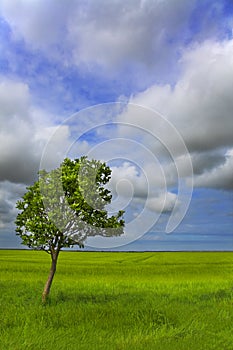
145,86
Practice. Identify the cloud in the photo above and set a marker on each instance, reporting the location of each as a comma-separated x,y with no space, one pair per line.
24,132
218,177
163,203
199,106
174,57
135,37
140,186
134,182
119,28
9,194
133,32
33,22
17,149
207,161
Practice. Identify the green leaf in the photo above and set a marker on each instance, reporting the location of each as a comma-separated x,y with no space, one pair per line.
66,201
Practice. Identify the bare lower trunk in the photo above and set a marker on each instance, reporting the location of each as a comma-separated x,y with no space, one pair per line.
48,284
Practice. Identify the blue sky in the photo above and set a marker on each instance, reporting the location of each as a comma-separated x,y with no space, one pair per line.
165,69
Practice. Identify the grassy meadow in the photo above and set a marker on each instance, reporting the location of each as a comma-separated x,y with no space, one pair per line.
117,301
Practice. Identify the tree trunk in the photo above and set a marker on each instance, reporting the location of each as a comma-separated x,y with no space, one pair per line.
45,294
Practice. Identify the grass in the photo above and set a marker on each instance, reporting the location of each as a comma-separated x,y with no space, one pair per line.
117,301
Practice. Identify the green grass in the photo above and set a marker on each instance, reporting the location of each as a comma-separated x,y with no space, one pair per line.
117,301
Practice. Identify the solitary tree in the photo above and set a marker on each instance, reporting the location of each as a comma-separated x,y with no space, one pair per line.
64,207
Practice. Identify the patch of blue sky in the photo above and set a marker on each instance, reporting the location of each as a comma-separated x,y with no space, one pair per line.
87,88
70,88
14,52
99,134
208,225
211,18
8,239
53,85
186,241
209,213
4,40
158,244
31,67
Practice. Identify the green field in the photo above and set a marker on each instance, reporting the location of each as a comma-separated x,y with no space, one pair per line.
116,301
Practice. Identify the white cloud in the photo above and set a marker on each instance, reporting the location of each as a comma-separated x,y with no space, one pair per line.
163,203
17,129
39,23
219,177
130,183
200,107
17,92
134,38
134,33
24,134
135,182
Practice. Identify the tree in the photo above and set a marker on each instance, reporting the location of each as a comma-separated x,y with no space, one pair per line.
64,207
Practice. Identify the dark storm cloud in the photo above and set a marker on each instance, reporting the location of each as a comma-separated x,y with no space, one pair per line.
9,194
18,154
206,161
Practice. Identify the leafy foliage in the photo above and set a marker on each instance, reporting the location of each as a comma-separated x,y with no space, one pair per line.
66,205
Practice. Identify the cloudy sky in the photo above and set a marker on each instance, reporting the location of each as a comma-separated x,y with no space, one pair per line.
143,85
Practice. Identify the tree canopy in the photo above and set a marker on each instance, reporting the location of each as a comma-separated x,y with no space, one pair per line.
65,206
